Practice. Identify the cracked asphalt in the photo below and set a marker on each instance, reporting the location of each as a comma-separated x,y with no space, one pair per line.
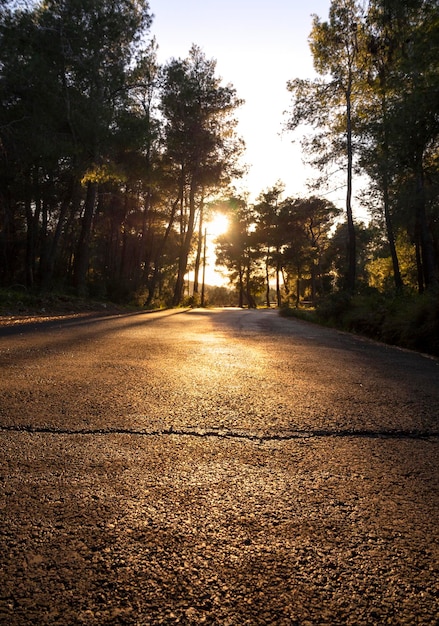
221,466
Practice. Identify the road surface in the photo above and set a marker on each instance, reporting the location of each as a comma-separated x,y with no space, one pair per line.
221,467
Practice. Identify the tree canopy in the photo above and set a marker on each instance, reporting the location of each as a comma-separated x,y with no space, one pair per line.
106,157
374,109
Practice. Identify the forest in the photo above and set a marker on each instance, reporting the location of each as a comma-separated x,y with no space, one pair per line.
111,164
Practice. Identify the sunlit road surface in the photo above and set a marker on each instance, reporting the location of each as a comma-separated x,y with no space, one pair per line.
215,467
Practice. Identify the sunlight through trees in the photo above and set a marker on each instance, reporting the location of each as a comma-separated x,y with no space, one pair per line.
116,171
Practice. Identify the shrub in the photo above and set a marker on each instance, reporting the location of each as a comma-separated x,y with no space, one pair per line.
410,321
333,308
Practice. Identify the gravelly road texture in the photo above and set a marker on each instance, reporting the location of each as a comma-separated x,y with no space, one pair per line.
215,467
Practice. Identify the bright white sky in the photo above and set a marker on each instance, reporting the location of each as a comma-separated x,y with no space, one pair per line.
258,47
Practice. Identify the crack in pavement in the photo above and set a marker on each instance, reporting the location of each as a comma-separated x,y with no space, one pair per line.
222,433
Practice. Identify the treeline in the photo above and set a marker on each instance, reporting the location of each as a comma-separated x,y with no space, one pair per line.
375,110
279,250
107,160
291,253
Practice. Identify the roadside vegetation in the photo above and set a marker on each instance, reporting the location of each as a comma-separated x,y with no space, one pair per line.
410,322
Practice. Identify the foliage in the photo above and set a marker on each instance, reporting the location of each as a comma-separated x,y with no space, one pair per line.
373,110
329,103
238,250
222,297
407,320
280,239
106,158
399,127
307,315
19,301
380,269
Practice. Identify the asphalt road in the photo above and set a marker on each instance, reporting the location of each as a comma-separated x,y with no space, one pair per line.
215,467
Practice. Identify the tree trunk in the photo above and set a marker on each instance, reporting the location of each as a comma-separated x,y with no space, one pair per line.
241,288
199,251
278,270
72,199
203,285
30,236
419,266
387,217
285,281
391,239
153,281
8,254
429,260
351,243
44,240
313,280
185,248
83,249
250,300
267,278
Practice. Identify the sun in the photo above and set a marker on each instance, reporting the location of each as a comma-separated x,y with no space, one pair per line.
217,225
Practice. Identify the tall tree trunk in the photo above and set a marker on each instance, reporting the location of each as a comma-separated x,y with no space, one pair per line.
250,300
30,235
278,270
351,243
429,260
267,278
144,255
391,238
122,268
241,288
313,280
199,251
7,239
153,281
185,248
385,181
203,285
32,203
44,241
83,249
419,265
72,200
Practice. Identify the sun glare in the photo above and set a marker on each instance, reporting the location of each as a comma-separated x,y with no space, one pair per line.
218,225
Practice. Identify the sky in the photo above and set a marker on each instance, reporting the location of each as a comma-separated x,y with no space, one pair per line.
258,47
